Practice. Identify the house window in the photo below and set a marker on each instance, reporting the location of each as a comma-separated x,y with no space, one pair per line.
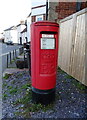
39,18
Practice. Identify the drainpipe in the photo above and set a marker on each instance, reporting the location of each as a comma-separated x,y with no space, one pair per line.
78,6
46,9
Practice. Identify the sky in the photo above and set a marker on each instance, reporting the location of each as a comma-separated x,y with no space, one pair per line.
12,12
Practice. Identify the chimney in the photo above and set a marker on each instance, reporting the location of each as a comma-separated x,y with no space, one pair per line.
22,22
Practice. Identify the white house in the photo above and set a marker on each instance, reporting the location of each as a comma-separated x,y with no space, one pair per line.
20,28
2,37
38,10
10,34
38,13
24,36
28,26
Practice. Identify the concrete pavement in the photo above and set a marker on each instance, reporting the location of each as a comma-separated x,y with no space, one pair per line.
13,70
12,67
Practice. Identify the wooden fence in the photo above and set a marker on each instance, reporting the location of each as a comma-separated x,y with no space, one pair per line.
73,45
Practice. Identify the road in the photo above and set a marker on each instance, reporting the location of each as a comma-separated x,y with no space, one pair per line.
4,50
7,48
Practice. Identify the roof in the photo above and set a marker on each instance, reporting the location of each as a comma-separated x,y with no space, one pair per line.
9,28
21,23
18,25
29,15
25,30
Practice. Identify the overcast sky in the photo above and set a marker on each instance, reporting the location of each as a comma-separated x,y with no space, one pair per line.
12,11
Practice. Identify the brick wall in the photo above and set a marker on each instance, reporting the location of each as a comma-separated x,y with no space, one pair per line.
60,10
65,9
84,5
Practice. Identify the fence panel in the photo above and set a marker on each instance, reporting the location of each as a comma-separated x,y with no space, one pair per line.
65,39
72,42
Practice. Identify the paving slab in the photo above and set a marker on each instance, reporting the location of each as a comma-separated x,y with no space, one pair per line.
12,67
13,70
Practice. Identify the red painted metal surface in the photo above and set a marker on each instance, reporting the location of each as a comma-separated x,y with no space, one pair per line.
44,61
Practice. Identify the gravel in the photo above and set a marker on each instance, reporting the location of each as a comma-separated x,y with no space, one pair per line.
70,103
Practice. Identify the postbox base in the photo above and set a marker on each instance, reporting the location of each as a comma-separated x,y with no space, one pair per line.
43,96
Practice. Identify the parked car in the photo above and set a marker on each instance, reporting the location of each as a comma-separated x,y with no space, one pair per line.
9,43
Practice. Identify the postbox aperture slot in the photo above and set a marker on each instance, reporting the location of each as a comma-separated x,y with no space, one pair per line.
47,41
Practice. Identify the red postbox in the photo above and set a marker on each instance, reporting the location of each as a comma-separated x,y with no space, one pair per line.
44,54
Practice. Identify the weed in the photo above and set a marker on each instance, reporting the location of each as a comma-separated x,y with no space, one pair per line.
17,113
27,78
4,85
49,106
9,87
26,86
16,102
22,54
33,107
5,96
25,114
13,91
12,61
12,67
19,75
69,77
29,106
24,100
17,58
60,70
7,76
57,96
13,82
79,85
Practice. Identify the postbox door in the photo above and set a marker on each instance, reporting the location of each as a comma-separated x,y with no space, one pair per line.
47,53
47,61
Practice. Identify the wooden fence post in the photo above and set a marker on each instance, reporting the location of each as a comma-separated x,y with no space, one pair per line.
85,49
71,69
